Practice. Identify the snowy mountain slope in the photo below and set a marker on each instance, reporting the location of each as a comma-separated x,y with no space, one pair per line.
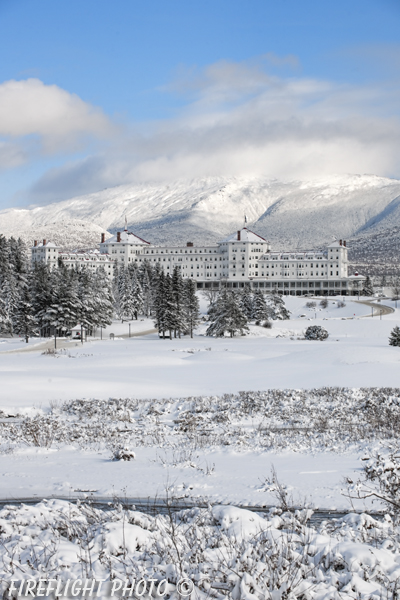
290,214
70,234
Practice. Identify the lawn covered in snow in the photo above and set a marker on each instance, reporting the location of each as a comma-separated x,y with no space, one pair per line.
231,468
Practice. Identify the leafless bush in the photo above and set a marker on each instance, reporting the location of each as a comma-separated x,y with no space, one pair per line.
40,431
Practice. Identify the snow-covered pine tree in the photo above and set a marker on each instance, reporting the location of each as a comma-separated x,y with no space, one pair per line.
126,303
394,338
42,293
4,258
260,309
10,295
104,300
159,305
137,294
65,309
192,306
246,301
227,316
276,308
164,306
88,303
24,321
145,279
178,299
5,324
367,289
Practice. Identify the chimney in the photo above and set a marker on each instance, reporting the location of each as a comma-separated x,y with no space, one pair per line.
340,242
44,242
189,244
103,238
118,236
35,243
238,237
344,243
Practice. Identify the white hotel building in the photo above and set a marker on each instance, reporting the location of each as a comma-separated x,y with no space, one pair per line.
242,258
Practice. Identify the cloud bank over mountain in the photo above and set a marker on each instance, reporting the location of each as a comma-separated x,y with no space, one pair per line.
236,119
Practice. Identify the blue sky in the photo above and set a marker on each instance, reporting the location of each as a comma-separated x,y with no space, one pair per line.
97,93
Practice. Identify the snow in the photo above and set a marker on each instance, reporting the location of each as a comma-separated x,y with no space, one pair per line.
223,551
292,214
355,355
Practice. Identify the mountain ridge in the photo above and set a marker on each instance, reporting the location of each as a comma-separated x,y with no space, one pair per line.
290,214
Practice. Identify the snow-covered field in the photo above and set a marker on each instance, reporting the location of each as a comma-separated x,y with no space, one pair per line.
355,355
203,427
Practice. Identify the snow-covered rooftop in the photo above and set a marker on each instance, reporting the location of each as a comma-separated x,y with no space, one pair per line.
245,236
127,237
46,245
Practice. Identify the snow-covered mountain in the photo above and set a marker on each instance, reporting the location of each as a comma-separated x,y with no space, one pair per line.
296,214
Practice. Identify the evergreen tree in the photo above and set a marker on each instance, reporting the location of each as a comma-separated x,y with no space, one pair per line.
367,289
24,321
42,293
137,295
126,301
246,302
394,338
192,306
178,297
277,310
104,300
145,279
227,316
260,309
64,312
10,297
84,289
5,324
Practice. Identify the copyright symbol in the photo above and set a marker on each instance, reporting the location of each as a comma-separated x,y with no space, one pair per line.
185,587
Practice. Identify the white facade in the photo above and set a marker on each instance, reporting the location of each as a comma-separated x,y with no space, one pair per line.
241,258
50,254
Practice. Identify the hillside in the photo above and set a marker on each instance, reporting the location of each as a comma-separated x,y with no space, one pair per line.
297,214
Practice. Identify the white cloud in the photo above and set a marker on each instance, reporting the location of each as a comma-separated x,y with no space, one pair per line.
242,120
57,120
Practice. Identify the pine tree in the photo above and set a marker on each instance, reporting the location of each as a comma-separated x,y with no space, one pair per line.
162,300
126,302
367,289
260,309
145,279
227,316
10,297
5,324
137,295
178,296
192,306
65,310
104,300
394,338
246,302
24,321
83,287
277,310
42,293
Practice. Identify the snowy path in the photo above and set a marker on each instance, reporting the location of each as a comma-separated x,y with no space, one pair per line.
377,309
63,344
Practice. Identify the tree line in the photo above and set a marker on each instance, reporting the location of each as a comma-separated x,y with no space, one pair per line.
40,301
